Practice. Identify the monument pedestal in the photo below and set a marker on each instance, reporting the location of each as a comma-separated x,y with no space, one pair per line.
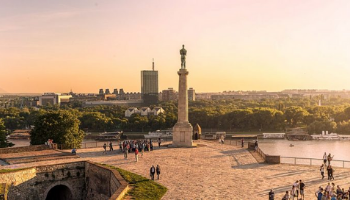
182,135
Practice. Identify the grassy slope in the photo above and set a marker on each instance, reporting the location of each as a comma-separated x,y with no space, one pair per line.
143,188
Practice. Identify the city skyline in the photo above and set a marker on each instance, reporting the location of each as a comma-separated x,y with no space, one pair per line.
232,45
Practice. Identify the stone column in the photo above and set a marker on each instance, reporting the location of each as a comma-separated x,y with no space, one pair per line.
183,130
183,97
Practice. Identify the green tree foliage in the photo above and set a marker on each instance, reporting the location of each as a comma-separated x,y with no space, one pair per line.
62,126
343,127
294,115
3,140
95,121
318,126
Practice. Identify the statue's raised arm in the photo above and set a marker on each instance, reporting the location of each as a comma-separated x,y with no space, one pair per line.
183,53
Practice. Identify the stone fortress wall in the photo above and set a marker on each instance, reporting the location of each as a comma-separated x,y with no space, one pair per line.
85,180
25,149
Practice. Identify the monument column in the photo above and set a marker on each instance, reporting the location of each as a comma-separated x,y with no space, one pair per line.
183,98
183,130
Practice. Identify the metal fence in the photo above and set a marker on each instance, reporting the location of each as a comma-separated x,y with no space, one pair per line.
314,161
115,143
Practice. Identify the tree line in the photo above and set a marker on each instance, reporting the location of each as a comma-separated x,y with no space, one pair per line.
227,115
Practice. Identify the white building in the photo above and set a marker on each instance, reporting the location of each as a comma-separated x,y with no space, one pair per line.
130,111
157,110
144,111
53,99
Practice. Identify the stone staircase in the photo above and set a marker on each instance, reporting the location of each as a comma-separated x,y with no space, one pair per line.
257,156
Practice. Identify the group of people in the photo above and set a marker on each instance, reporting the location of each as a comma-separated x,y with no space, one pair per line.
105,147
329,168
330,192
297,191
154,170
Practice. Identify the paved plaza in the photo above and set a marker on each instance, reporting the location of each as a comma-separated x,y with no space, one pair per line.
213,171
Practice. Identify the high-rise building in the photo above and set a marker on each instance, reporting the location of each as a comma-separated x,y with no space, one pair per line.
191,94
107,91
149,86
169,95
115,91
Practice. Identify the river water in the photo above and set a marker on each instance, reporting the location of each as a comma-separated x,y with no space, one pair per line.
307,149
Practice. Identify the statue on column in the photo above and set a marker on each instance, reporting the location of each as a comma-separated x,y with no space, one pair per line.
183,53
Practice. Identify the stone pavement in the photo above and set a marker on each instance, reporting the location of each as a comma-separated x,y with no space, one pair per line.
213,171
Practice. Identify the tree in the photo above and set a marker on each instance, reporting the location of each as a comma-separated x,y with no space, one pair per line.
319,126
62,126
3,140
295,114
95,121
343,127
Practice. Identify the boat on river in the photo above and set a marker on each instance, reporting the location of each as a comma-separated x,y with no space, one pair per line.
107,136
330,136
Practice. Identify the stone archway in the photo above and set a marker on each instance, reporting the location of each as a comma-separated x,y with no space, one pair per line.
59,192
64,187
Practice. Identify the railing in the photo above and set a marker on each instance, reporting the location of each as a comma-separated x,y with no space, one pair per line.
314,161
115,143
261,153
236,142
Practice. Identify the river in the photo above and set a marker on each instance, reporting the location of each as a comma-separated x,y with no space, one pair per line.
307,149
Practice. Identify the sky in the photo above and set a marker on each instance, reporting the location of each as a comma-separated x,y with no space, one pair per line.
84,45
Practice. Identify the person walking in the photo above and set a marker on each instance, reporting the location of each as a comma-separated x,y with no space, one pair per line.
158,171
329,172
126,151
324,158
121,146
151,145
242,141
256,145
271,195
110,146
105,148
322,171
296,189
302,187
159,142
329,158
152,172
142,149
137,155
332,172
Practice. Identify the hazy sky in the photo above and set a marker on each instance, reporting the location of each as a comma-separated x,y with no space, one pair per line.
55,46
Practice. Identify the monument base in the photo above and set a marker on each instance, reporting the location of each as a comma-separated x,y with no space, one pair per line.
182,135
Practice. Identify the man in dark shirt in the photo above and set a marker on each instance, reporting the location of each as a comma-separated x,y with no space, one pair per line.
152,172
302,186
271,195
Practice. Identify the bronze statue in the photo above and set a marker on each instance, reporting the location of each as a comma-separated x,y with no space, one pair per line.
183,53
